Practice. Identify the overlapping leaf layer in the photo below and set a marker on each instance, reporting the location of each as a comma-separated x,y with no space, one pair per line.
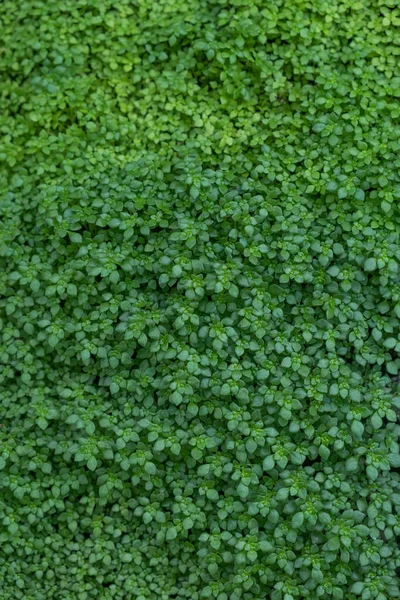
199,299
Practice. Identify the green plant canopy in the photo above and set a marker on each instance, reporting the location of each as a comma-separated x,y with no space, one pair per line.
199,299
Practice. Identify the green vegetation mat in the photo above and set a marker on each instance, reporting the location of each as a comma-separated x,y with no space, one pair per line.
199,299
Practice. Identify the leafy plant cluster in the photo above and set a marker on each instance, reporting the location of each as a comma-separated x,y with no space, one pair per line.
199,299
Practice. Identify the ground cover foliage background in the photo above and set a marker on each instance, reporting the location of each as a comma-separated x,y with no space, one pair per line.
199,299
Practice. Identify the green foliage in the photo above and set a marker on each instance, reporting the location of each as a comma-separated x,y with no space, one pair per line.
199,299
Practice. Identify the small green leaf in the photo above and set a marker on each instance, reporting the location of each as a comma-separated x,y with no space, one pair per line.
357,587
53,340
372,472
243,490
370,264
35,285
334,543
394,460
43,423
357,429
13,528
92,463
298,520
85,354
188,523
171,533
268,463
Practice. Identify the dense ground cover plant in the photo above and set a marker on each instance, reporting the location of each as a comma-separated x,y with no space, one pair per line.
199,299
